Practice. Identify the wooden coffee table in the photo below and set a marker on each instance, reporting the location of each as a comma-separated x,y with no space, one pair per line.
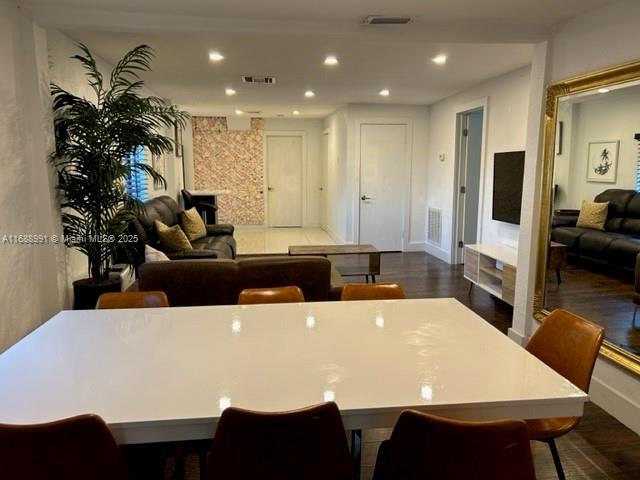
370,270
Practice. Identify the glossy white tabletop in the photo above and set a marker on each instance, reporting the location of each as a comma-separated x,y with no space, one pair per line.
166,374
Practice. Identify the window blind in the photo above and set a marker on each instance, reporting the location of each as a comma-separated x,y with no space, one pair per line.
137,184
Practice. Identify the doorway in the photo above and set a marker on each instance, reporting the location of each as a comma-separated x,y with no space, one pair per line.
470,126
382,185
284,180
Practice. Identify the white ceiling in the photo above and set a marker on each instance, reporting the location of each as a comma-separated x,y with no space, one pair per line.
290,38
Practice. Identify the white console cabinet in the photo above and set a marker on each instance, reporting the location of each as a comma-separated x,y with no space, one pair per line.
492,268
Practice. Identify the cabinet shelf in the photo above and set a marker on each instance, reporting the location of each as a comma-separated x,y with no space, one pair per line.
492,272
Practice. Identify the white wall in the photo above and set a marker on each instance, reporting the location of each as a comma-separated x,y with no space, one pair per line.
32,276
597,39
608,117
312,163
337,183
507,100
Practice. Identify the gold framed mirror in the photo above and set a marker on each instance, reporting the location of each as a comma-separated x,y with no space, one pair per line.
591,151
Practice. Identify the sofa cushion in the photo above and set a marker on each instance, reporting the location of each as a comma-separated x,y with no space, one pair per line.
568,236
593,215
192,224
618,201
595,244
623,252
173,239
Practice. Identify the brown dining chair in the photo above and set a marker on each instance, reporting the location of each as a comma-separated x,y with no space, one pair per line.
305,444
270,295
568,344
376,291
132,300
425,446
77,448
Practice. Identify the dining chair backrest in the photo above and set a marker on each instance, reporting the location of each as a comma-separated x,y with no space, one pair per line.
305,444
372,291
153,299
77,448
271,295
569,344
424,446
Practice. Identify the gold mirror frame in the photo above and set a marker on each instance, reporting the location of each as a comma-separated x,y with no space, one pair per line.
581,83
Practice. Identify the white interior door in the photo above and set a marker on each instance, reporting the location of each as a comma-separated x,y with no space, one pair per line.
284,181
382,185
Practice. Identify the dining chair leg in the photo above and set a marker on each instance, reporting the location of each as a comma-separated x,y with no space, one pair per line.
356,450
635,313
556,458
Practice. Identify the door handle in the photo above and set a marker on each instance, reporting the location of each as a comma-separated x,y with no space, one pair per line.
270,189
364,197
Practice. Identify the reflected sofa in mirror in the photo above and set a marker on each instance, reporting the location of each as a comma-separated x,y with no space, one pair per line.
590,223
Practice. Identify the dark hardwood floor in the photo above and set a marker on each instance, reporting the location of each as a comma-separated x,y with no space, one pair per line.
600,296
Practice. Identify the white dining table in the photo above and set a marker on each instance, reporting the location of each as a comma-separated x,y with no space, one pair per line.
166,374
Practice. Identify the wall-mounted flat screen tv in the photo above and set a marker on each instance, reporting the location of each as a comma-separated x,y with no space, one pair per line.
508,173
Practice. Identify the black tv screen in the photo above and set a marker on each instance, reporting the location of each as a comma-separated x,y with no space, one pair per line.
508,173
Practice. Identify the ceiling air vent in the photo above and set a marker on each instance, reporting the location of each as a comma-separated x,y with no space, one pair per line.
260,80
387,20
254,112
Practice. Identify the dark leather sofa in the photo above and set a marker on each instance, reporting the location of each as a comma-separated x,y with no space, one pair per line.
219,282
619,244
219,242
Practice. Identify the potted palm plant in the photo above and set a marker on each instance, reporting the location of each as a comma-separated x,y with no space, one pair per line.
95,141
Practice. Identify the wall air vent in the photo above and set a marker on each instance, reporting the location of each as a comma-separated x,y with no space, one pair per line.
259,80
434,226
387,20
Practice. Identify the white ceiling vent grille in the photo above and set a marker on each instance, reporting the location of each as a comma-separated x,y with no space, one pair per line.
258,80
387,20
434,226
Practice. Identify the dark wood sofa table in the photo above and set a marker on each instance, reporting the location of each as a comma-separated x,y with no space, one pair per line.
370,270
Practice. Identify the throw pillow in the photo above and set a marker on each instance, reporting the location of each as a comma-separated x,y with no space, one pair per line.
153,255
593,215
173,238
193,225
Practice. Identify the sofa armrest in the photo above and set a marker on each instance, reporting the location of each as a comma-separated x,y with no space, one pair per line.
192,255
220,229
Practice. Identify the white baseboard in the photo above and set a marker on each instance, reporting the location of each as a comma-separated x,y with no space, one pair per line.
437,252
415,247
517,337
606,392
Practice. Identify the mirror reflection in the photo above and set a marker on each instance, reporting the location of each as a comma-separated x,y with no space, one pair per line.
595,228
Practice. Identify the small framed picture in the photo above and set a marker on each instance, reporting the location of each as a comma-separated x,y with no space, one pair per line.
178,140
602,164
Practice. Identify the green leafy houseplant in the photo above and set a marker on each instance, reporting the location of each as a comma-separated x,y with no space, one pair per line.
94,142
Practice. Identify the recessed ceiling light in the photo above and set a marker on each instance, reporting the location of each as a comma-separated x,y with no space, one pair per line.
385,92
603,90
331,60
229,91
215,56
309,94
239,112
296,112
439,59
